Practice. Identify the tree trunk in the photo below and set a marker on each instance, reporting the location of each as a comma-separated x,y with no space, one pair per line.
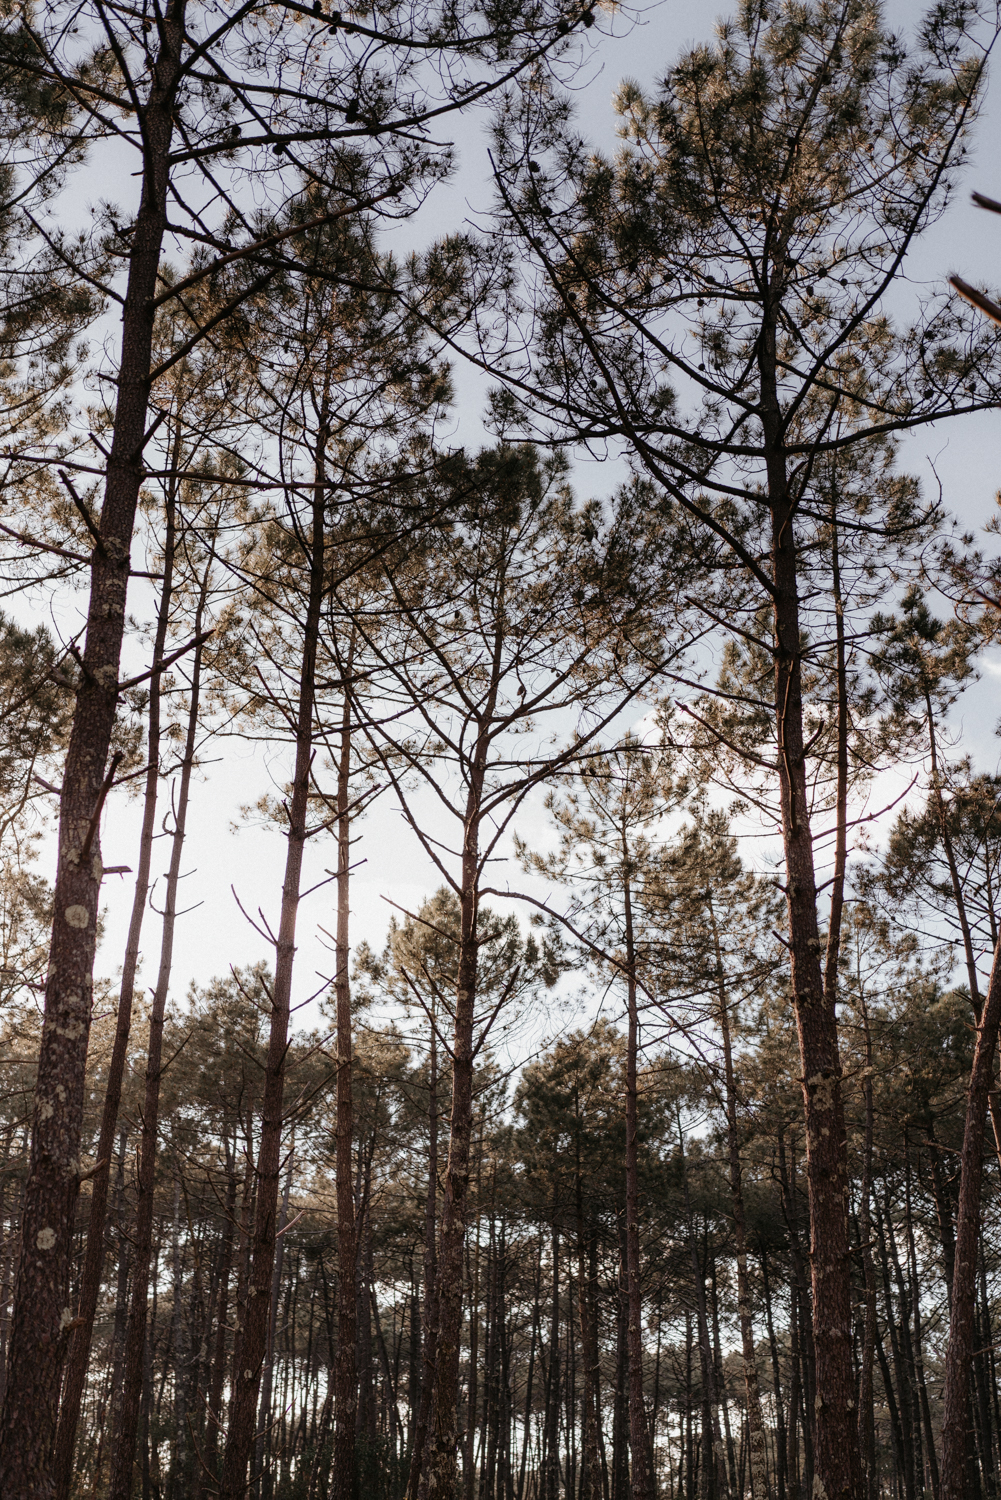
438,1477
263,1445
755,1419
959,1353
135,1338
430,1319
640,1475
836,1454
240,1438
90,1281
342,1485
40,1314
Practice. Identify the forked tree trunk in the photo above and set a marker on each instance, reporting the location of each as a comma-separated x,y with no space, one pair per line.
40,1313
240,1438
342,1486
123,1459
959,1352
90,1279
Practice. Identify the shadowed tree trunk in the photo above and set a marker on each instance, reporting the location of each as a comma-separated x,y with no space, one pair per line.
959,1353
90,1278
40,1314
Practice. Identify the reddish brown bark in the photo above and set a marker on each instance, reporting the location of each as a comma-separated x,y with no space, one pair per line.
90,1278
40,1313
253,1348
959,1353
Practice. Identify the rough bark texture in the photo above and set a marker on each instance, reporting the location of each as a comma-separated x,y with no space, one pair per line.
40,1314
959,1354
342,1485
247,1375
93,1265
123,1459
837,1471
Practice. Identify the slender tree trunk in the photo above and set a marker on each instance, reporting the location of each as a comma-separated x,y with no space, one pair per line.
40,1313
438,1476
264,1423
959,1353
755,1418
866,1415
240,1438
712,1448
836,1454
218,1359
591,1468
93,1266
342,1486
430,1318
135,1338
640,1474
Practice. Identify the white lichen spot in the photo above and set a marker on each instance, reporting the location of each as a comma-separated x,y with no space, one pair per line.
77,916
46,1109
45,1238
819,1493
97,867
822,1090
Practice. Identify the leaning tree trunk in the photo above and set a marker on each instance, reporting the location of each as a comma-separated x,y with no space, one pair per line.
240,1438
93,1265
123,1459
959,1353
836,1452
40,1313
342,1485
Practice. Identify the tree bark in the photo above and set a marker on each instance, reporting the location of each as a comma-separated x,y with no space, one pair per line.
343,1483
40,1314
755,1418
836,1454
959,1352
438,1476
640,1475
93,1266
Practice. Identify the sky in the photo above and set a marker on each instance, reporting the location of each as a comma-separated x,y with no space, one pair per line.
220,850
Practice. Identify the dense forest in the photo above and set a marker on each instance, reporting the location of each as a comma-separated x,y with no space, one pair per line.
656,1151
